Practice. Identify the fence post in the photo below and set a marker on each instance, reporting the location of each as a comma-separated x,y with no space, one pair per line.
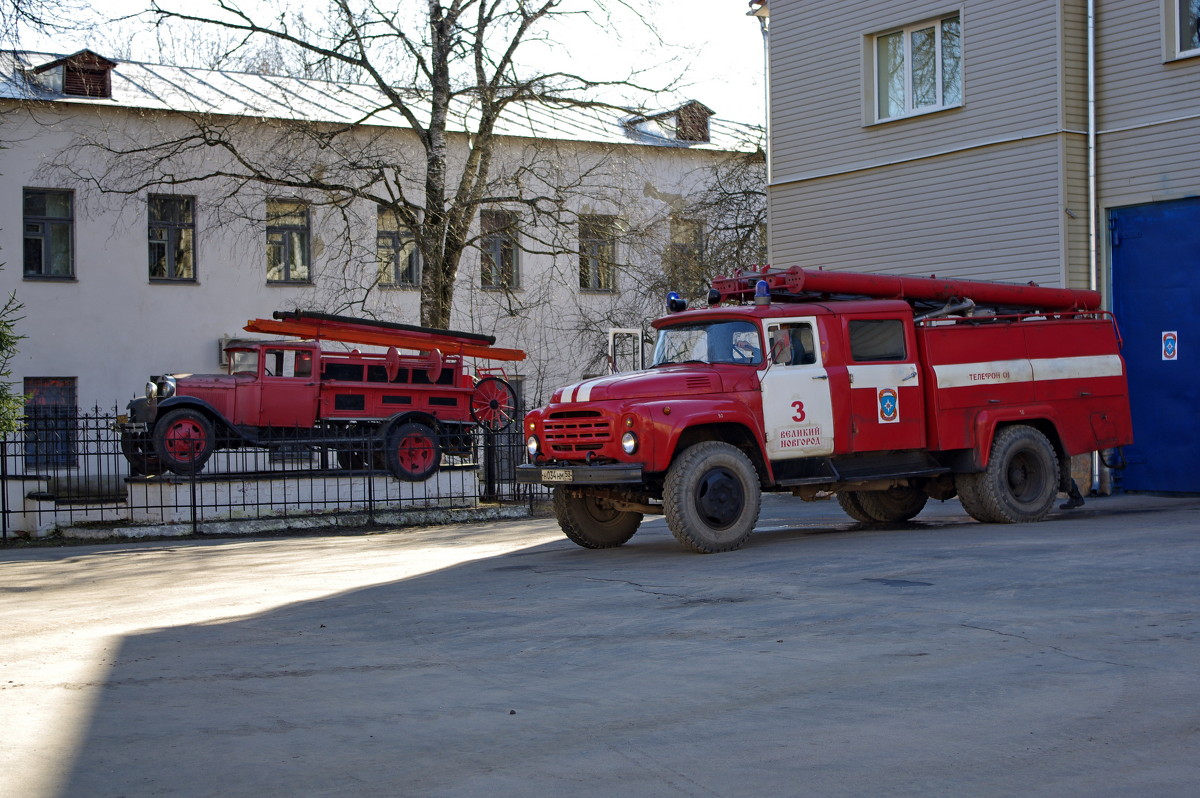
489,466
192,491
4,486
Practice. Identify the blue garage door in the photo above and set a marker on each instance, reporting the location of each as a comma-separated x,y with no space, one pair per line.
1156,297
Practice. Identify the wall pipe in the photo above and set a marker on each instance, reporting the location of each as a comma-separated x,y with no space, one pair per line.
1093,210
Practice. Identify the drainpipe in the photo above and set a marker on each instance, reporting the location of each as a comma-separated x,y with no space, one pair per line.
1093,211
761,9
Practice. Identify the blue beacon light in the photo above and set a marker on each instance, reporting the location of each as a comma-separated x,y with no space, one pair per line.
762,293
675,303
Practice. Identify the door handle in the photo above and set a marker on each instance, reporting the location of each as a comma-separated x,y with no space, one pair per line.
820,376
910,376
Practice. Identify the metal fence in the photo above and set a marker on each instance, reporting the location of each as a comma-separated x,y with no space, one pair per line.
69,469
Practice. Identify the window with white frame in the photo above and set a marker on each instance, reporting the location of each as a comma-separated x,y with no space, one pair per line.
1187,27
918,69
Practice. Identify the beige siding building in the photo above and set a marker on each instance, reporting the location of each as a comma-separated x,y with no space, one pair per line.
988,140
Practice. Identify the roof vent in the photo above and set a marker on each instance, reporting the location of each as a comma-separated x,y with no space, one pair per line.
82,74
691,122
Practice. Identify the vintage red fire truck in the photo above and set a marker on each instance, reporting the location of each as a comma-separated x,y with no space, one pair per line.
384,409
883,390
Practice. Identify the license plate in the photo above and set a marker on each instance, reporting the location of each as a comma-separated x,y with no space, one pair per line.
557,475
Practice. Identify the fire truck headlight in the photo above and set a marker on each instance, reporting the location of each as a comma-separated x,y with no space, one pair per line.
629,442
532,445
151,389
168,386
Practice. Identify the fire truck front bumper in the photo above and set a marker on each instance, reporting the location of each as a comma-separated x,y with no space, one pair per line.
609,474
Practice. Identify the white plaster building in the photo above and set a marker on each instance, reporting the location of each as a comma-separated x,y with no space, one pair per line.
119,286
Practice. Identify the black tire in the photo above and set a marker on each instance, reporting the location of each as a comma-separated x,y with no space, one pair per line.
184,439
711,497
591,522
970,496
413,452
1020,482
138,449
849,501
894,504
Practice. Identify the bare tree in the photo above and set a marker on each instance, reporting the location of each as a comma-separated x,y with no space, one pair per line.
17,16
450,71
733,206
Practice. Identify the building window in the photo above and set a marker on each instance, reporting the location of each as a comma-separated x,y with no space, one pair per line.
396,253
287,242
684,256
50,422
172,237
498,245
49,223
918,69
1187,19
598,253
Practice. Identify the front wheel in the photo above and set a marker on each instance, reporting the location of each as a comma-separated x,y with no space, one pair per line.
138,449
184,439
1020,481
592,522
711,497
413,452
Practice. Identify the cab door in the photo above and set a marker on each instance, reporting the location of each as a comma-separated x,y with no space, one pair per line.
887,409
289,388
797,409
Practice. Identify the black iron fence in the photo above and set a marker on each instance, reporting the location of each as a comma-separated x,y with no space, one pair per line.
73,470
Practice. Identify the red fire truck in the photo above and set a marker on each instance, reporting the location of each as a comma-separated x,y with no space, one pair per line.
407,408
883,390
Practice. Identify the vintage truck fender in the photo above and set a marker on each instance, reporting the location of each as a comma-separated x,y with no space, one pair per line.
219,420
673,422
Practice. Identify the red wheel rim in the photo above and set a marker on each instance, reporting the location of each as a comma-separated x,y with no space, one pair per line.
185,439
415,453
492,404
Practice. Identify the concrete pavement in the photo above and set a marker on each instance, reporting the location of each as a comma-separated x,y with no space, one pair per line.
942,657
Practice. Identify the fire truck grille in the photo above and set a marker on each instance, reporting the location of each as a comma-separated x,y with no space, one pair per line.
577,431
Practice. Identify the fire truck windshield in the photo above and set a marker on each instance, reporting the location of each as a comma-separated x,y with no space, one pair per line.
711,342
243,361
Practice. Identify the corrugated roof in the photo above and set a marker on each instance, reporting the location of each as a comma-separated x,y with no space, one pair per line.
189,90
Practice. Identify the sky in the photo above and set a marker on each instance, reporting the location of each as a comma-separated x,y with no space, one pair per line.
712,43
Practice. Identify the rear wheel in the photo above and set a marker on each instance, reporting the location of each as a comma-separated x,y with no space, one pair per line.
894,504
184,439
1020,481
593,522
413,452
711,497
493,404
851,504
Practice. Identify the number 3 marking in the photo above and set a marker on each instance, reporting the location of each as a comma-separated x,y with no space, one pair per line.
799,415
